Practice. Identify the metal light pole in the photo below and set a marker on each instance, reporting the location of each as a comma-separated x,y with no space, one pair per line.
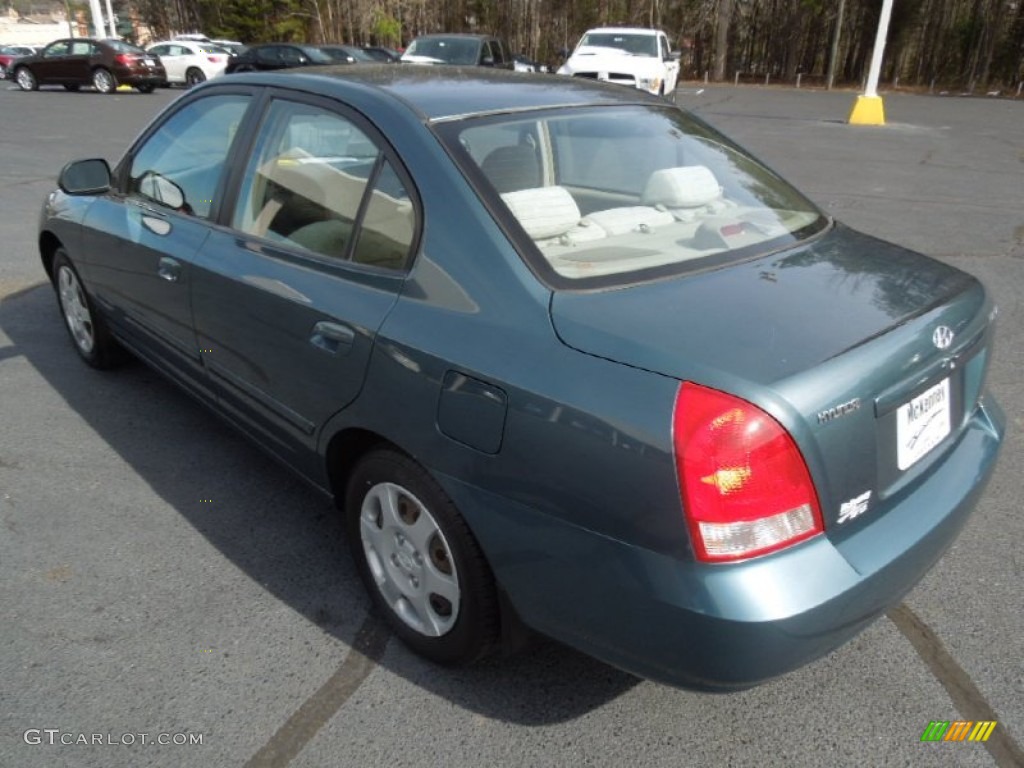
97,18
868,109
110,20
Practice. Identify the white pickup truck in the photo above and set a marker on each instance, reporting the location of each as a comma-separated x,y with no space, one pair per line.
641,58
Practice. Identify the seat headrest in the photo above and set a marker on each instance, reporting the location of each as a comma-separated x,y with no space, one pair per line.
688,186
543,211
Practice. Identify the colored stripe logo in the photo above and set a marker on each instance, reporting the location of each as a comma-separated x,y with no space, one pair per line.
958,730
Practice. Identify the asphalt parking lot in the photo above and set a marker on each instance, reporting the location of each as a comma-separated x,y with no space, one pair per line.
161,576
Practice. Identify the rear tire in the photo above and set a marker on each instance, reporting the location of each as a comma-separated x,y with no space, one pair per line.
147,88
25,79
89,334
194,76
419,560
103,81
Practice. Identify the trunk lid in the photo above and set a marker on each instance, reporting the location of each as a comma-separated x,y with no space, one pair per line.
839,340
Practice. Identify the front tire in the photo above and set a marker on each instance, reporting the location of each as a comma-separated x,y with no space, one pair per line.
419,560
147,88
88,332
25,79
194,76
103,81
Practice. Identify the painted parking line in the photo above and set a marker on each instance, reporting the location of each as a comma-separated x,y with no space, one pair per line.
966,696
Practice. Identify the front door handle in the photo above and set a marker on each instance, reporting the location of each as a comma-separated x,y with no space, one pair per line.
332,337
169,269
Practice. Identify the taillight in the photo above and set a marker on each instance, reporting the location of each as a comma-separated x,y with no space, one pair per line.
745,487
126,58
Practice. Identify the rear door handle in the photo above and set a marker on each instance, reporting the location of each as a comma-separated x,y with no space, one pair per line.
169,269
332,337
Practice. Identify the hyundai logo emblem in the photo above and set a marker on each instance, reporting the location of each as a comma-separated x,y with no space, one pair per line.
942,337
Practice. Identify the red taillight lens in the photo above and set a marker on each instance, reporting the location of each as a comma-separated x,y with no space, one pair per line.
745,487
126,58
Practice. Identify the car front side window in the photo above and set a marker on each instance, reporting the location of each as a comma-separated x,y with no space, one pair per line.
179,166
57,49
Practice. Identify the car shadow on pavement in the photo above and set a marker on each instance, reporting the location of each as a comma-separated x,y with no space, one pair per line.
280,533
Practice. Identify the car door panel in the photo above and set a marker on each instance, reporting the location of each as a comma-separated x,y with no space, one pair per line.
143,237
286,341
138,265
285,317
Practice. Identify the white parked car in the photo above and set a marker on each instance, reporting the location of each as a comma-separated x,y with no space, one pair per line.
633,56
189,61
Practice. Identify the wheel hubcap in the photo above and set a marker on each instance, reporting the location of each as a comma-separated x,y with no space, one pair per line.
410,559
25,79
102,81
76,310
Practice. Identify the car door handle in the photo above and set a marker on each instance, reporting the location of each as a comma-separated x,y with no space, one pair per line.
332,337
169,269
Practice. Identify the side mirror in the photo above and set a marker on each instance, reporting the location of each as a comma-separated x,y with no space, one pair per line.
85,177
675,55
487,61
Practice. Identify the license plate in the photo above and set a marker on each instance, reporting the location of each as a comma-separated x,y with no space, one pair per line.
148,62
921,424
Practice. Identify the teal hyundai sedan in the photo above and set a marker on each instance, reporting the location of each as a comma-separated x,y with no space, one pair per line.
568,359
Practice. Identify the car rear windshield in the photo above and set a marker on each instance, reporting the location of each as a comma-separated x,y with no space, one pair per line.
446,50
640,45
611,194
122,47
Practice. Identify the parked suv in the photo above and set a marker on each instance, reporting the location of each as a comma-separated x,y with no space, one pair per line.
640,58
466,50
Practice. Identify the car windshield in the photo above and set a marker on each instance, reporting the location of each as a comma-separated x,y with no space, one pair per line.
605,191
639,45
446,50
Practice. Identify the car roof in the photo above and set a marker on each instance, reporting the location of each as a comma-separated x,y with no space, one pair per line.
629,30
447,35
445,93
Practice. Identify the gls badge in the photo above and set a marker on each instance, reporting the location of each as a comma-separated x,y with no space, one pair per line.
855,507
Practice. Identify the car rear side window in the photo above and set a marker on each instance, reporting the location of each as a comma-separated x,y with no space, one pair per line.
315,181
388,224
179,166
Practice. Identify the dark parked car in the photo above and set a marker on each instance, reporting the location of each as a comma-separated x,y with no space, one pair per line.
347,54
270,56
382,54
583,366
461,49
103,64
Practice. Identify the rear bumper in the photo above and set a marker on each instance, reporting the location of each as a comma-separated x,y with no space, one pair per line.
140,76
726,626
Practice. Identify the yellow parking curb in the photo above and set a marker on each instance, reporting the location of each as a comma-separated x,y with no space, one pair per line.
124,87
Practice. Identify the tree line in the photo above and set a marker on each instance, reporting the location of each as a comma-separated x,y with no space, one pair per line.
963,44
